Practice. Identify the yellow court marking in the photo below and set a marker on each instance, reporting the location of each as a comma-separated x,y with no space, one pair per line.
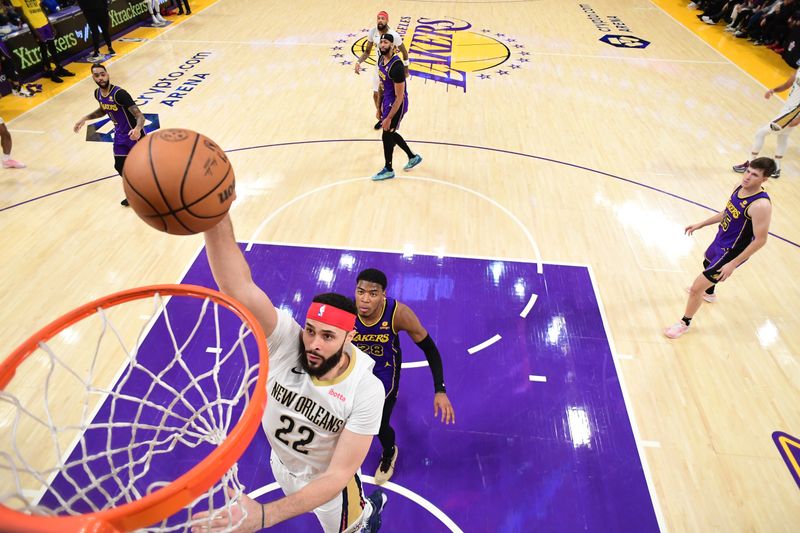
11,106
786,442
760,62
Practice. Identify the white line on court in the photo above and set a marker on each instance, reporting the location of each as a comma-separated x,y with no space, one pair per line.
484,344
482,196
414,364
260,43
538,379
529,306
429,254
212,349
632,59
648,476
402,491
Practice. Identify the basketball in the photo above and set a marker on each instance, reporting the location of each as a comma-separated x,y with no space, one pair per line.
179,181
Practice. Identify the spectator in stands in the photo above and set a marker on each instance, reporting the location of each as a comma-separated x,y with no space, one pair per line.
96,13
45,34
180,7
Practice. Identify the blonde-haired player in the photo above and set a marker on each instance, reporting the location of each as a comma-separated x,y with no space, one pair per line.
324,404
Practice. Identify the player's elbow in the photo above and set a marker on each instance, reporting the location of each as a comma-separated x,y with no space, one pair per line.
238,285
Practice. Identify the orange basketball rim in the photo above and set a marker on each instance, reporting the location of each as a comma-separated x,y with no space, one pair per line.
171,498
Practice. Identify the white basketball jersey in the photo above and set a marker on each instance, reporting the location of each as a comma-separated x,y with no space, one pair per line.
375,36
305,416
793,100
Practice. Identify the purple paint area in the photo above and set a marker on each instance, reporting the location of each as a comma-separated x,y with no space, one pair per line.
523,456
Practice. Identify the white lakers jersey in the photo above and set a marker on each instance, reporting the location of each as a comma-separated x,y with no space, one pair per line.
305,416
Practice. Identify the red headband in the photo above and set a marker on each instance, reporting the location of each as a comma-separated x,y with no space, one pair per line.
333,316
384,13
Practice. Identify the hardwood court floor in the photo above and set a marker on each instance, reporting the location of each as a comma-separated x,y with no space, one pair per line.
563,148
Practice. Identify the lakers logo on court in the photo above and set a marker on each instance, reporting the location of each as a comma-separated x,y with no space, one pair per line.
445,51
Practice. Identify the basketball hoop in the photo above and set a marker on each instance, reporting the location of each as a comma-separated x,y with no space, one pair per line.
169,401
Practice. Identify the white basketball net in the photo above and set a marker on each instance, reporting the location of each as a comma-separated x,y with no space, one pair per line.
70,445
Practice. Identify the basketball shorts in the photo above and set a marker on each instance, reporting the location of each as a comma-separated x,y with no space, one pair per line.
123,144
389,376
122,149
715,259
346,513
789,112
397,116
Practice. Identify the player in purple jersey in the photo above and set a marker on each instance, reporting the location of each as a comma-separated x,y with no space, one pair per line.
373,39
394,98
380,321
128,120
743,229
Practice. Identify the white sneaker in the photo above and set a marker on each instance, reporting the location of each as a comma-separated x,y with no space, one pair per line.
157,22
708,20
691,5
160,18
13,163
676,330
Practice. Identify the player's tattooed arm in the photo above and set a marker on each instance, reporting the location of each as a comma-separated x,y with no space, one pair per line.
136,132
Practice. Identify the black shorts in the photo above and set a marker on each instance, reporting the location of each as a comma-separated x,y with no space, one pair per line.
396,118
712,273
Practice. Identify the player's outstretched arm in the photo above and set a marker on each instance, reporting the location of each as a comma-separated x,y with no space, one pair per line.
364,56
716,219
97,113
406,320
783,86
350,452
232,274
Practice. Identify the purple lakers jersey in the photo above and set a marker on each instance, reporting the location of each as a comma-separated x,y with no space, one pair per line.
388,84
116,106
381,342
735,231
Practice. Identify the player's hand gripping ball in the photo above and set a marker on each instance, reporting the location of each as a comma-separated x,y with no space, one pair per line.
179,181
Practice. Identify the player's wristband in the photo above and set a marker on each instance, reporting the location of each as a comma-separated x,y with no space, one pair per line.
406,62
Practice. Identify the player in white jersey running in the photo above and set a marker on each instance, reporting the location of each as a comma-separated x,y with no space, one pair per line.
783,124
324,404
374,39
